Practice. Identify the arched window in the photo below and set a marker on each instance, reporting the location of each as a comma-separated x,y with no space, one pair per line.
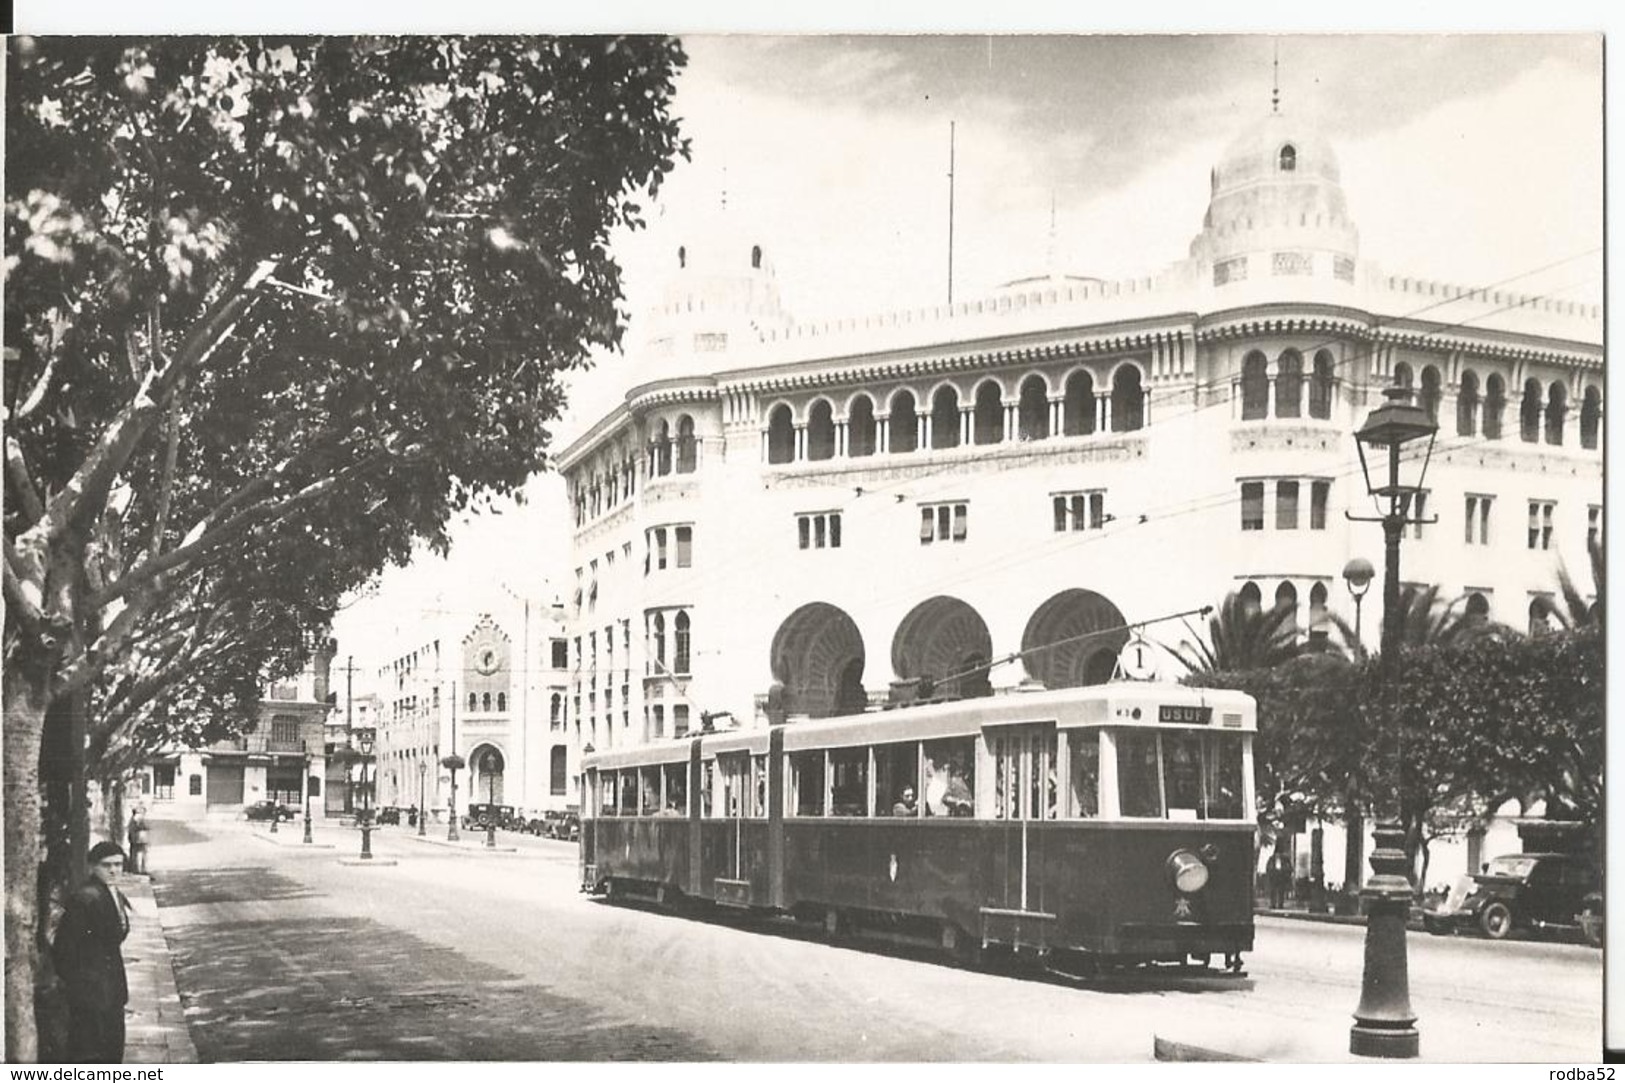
557,782
485,702
682,256
1539,608
756,257
1032,415
905,423
1495,403
473,701
1078,411
502,701
1128,399
1529,412
1478,606
1320,386
1431,393
1467,405
1557,408
555,711
660,643
945,418
989,428
860,427
1317,612
686,447
1289,385
680,651
781,435
1590,417
1289,158
662,450
1403,377
1251,597
1286,597
821,431
1255,387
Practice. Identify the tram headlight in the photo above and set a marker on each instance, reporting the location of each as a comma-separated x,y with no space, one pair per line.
1187,871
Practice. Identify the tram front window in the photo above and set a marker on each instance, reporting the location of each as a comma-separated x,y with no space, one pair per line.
1183,775
1085,787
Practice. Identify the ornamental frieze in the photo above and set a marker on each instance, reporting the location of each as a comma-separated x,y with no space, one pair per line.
1263,436
982,458
1521,460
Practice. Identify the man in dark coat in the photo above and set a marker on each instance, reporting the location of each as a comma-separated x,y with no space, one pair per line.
89,962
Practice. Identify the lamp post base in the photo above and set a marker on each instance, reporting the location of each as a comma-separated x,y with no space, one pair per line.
308,837
1384,1023
490,837
366,840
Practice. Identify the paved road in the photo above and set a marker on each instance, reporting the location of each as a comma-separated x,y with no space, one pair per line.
283,953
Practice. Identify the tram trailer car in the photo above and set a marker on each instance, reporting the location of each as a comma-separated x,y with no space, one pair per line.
1112,822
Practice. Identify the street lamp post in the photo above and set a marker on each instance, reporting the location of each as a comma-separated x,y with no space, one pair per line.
1357,574
366,798
1384,1022
308,837
423,799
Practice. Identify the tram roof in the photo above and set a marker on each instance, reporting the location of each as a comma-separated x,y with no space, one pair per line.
1114,703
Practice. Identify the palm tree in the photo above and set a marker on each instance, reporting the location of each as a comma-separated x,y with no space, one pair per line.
1575,612
1426,622
1242,636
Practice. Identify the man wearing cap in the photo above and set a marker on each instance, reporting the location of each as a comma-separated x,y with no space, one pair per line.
88,960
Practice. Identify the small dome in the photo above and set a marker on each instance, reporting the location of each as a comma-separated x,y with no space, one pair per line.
1275,148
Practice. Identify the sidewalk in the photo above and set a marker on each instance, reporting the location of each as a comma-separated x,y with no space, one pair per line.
154,1024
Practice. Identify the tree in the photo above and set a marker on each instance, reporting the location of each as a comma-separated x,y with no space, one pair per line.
275,310
1241,637
1575,612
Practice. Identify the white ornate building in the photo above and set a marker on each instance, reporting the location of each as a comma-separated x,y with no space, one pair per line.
776,517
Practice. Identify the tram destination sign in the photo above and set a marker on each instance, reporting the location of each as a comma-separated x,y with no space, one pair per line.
1198,716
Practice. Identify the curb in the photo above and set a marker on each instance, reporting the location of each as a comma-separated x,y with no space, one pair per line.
162,1037
464,847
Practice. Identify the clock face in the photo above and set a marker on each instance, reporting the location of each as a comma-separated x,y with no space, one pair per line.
488,661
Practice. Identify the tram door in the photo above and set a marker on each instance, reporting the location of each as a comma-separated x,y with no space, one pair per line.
736,798
1025,789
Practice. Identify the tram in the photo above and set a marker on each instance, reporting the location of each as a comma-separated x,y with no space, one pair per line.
1111,824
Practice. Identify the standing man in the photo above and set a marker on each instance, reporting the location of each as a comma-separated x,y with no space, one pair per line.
86,952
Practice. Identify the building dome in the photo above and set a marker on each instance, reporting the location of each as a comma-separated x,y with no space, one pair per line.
1276,191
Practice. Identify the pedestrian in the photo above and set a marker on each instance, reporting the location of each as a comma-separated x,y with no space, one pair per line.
138,841
1279,871
95,921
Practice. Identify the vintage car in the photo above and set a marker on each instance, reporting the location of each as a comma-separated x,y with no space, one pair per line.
1546,892
268,810
482,816
562,825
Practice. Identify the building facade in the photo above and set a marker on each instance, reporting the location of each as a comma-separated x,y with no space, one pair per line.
487,690
778,521
281,755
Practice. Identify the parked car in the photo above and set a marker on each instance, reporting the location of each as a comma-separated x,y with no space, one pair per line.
563,825
1549,892
481,816
268,810
389,814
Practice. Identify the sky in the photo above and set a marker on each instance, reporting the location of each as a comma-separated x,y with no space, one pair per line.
1476,160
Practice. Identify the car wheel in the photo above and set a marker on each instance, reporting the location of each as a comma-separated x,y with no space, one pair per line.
1496,921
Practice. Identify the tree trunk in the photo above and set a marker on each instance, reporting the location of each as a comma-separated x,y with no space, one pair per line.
25,701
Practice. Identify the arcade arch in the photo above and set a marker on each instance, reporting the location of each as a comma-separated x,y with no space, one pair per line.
1073,639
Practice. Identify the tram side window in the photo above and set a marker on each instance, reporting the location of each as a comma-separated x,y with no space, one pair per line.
1085,798
676,789
758,774
735,786
807,783
1182,775
897,779
606,793
628,788
950,777
649,783
1137,776
708,772
1224,775
849,782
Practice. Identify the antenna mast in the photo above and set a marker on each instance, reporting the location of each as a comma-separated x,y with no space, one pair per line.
950,212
